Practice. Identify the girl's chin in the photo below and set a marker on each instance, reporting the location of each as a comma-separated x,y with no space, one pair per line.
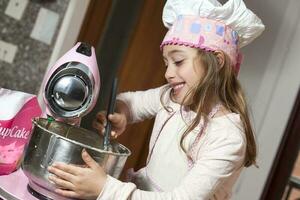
177,99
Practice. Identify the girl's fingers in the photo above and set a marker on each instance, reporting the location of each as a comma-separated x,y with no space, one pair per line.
101,117
102,121
62,167
101,113
115,118
89,160
67,193
114,134
61,174
61,183
101,128
98,126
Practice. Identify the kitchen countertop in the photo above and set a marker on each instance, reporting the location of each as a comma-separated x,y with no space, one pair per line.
14,187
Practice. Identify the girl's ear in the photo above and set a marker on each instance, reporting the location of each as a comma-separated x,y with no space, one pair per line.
220,57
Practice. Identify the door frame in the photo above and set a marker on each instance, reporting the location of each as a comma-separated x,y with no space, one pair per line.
274,102
285,158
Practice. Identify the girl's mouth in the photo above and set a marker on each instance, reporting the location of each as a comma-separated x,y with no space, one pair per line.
177,87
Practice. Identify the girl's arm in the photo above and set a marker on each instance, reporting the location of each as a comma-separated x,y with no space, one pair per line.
139,105
219,160
131,107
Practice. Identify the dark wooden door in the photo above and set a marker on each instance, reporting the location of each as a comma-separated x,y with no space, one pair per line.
286,156
94,22
141,66
142,69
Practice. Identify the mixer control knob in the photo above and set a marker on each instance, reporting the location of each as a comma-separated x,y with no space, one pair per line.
85,49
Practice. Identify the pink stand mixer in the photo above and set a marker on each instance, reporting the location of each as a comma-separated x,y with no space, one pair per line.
70,90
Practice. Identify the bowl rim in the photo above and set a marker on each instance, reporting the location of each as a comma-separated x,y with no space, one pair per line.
35,122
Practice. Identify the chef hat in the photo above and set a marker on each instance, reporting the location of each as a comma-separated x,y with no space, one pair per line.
211,26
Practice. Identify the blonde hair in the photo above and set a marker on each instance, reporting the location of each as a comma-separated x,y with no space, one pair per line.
219,82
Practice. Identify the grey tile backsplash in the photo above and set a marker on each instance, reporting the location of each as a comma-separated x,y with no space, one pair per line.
26,71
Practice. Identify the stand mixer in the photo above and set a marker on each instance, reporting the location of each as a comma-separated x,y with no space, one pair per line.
70,90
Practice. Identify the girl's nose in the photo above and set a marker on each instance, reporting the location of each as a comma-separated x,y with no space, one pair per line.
169,74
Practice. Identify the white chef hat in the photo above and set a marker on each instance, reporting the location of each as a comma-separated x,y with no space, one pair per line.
233,13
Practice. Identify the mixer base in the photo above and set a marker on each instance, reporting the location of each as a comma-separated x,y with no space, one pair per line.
42,193
36,194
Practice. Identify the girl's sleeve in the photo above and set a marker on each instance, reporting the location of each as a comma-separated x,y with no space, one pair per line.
223,156
142,104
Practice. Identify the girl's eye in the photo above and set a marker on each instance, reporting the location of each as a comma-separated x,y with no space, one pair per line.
178,63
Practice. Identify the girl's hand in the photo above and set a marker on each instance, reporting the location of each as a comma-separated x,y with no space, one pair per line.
78,182
118,123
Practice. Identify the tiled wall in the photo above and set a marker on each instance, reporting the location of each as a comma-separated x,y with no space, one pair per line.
25,72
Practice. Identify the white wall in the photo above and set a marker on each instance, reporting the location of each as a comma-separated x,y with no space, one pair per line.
271,77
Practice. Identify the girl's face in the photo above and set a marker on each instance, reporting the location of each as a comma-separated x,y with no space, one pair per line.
184,70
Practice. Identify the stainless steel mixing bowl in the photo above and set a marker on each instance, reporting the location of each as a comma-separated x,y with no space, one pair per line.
59,142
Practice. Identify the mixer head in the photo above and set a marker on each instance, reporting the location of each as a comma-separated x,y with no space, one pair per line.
72,85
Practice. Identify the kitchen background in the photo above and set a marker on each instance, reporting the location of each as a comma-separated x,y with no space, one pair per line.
35,33
28,33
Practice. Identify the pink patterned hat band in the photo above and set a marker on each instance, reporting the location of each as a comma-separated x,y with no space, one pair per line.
206,34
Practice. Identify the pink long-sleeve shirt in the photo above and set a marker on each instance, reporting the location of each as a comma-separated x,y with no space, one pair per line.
219,156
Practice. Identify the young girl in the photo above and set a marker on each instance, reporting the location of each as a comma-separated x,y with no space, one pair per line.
202,136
